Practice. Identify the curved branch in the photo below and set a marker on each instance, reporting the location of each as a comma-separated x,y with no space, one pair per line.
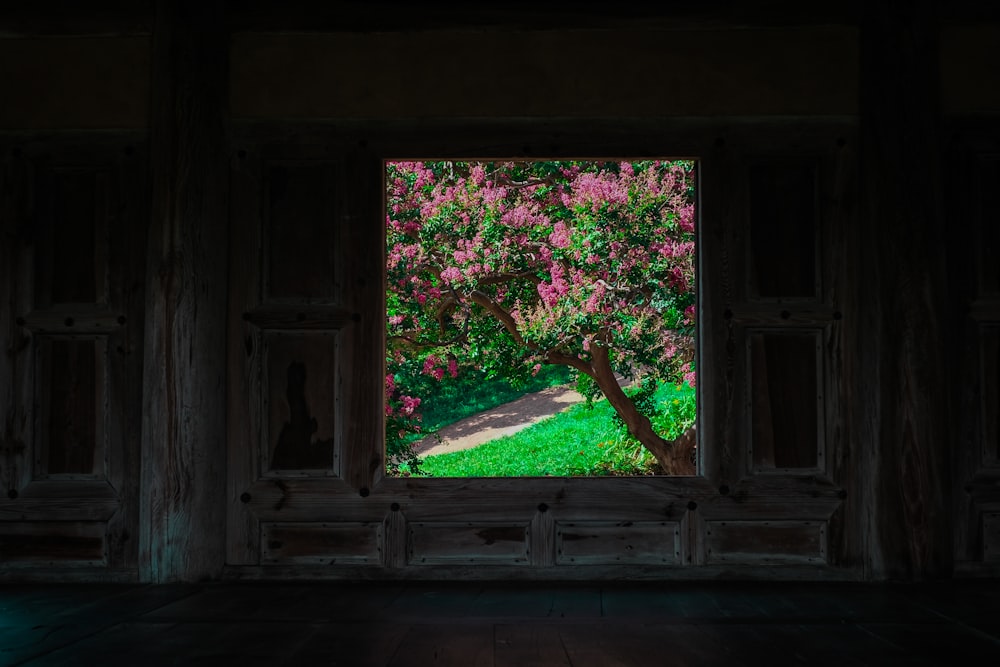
505,318
508,183
416,342
498,311
506,277
554,357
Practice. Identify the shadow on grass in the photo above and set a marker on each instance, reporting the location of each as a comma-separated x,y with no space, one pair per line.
500,421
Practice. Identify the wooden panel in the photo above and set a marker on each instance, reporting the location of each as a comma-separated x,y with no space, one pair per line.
899,315
968,58
246,450
434,543
71,238
606,542
301,231
785,400
991,537
75,82
59,542
70,398
65,500
765,541
81,216
322,543
990,351
806,71
989,227
300,400
783,230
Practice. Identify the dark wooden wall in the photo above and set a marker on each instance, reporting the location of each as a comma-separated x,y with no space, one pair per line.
163,167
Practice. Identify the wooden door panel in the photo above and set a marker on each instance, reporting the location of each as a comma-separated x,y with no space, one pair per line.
288,378
784,226
69,427
991,537
300,401
977,459
71,234
301,231
988,232
77,266
786,420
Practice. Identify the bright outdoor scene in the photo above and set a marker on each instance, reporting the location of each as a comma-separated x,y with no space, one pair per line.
540,318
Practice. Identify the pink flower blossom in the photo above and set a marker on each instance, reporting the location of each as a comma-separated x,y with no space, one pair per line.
451,274
559,236
410,403
429,364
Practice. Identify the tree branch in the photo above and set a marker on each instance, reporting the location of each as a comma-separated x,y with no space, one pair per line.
505,318
555,357
506,277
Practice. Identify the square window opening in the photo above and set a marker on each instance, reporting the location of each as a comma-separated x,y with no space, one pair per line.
540,317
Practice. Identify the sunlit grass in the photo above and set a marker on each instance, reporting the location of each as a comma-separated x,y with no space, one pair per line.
579,441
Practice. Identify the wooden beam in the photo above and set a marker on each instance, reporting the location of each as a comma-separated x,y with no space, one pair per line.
901,415
182,516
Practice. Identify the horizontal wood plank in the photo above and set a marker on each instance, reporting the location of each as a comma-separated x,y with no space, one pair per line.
766,541
438,543
606,542
53,542
321,543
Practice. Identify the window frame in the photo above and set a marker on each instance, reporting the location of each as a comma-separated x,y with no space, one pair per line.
591,158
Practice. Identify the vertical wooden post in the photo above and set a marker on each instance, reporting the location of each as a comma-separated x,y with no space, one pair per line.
900,411
183,483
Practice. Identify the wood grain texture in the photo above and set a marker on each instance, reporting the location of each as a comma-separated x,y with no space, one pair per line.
126,295
363,261
903,409
605,542
273,74
350,543
184,405
766,541
972,271
786,417
244,360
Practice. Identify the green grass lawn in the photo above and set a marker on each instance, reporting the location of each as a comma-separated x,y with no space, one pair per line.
580,441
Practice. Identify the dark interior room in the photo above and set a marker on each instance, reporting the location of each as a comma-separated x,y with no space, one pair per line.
193,260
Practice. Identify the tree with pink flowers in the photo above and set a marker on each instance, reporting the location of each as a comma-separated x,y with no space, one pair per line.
506,266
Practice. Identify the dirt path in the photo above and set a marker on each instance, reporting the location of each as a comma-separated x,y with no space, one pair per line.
499,421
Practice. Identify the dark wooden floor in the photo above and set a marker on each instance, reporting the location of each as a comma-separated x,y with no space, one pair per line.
520,624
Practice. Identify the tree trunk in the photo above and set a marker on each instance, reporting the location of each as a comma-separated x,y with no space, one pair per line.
674,457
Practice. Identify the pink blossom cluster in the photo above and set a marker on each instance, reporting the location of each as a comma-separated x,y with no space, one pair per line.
405,406
589,251
595,191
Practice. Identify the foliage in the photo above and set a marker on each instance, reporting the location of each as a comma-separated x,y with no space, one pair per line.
501,268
